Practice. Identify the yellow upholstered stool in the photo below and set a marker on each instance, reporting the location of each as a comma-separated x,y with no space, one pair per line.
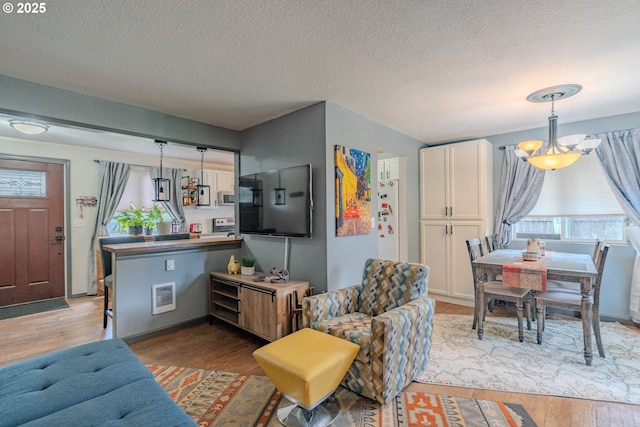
307,366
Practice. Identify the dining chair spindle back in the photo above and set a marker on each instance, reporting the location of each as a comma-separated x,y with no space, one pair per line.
495,290
565,299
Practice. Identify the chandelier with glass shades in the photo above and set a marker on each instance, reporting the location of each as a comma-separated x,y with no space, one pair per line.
559,152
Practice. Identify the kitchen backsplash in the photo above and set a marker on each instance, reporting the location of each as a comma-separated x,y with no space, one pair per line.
205,216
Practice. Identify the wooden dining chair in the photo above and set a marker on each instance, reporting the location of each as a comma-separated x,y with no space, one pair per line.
495,290
561,286
491,243
567,299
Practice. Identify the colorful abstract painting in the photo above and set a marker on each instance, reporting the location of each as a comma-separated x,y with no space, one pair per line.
353,191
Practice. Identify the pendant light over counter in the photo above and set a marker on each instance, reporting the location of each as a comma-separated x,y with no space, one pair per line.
161,186
203,191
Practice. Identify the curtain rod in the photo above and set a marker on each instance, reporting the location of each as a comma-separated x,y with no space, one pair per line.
138,166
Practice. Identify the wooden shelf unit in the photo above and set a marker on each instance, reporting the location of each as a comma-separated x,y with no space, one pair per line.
259,307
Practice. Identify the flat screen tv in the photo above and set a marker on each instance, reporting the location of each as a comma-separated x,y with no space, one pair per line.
277,202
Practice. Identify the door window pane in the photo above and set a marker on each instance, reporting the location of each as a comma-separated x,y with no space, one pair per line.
23,183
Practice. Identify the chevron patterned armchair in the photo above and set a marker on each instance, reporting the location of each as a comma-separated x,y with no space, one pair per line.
389,316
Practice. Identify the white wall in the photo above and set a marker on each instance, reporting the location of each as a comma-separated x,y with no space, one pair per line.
83,181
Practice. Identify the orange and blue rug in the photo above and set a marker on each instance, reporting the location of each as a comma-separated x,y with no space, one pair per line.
214,398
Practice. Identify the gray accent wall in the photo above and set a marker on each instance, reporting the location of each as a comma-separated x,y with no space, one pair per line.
294,139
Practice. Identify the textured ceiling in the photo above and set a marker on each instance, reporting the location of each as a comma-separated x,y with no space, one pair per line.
437,70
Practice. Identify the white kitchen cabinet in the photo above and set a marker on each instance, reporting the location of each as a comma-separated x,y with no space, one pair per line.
456,204
389,169
217,181
443,248
225,181
456,181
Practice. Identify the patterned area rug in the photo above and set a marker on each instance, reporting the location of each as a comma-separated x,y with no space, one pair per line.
214,398
557,367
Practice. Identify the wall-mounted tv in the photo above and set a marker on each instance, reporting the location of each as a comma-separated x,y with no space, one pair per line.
277,202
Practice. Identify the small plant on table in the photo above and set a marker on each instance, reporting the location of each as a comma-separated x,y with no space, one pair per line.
248,266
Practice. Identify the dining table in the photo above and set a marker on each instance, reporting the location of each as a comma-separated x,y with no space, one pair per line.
563,266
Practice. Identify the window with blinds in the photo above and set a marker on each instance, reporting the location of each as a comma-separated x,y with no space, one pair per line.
576,203
138,191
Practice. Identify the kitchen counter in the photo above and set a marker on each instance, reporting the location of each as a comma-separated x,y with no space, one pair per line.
183,264
172,245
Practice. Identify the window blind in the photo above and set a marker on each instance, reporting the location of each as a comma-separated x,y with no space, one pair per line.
139,190
579,189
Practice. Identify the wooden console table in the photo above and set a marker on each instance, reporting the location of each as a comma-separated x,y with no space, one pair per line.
259,307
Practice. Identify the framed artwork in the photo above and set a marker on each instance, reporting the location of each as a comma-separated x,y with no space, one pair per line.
163,297
353,191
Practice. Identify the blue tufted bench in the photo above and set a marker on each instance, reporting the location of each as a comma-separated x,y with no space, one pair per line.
96,384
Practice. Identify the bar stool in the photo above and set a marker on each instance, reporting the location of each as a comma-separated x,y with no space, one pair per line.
107,268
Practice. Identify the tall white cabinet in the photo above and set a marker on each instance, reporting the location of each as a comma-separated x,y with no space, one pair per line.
456,204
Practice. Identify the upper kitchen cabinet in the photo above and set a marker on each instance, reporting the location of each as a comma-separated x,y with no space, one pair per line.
225,181
218,181
389,169
456,181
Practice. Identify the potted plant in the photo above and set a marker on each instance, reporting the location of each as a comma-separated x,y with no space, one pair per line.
152,217
248,266
137,220
131,219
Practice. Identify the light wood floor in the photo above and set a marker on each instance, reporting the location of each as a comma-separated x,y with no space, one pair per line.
223,347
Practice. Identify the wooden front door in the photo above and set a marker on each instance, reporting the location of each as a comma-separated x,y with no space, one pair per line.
31,231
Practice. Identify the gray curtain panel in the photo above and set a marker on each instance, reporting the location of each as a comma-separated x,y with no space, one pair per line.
113,180
633,235
619,154
520,186
174,206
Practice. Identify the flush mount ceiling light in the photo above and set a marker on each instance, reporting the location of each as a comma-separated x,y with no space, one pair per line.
30,128
161,186
559,152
